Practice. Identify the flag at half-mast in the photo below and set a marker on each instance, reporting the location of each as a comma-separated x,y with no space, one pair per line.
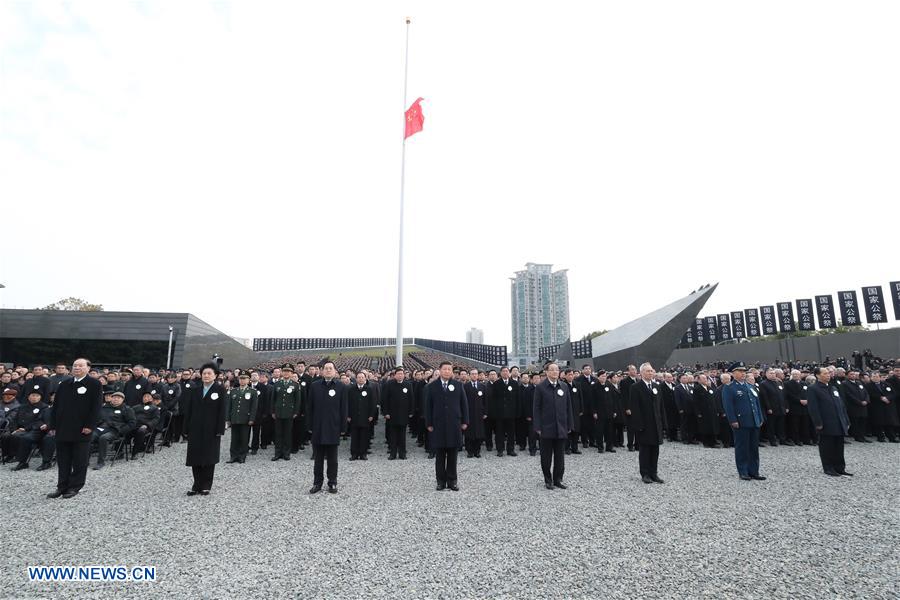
414,118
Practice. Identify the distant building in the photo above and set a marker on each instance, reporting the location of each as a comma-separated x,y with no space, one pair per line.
540,309
474,336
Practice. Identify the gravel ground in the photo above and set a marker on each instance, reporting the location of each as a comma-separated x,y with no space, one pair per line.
389,534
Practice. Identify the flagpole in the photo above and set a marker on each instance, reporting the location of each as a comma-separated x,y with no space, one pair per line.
399,355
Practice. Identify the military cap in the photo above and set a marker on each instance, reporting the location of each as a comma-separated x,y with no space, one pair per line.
737,366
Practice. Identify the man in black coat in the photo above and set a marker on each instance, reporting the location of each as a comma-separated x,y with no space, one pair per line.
446,418
772,398
705,410
647,418
475,432
327,414
38,383
667,389
798,415
856,399
397,408
362,407
579,408
586,384
553,421
263,428
829,416
684,400
136,386
27,429
503,407
72,420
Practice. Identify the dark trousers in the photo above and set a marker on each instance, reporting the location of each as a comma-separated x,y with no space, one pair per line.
321,453
588,434
746,450
445,464
103,440
282,430
631,441
775,429
473,445
489,427
505,434
858,428
139,439
72,464
619,434
532,438
397,439
553,453
261,432
21,444
798,427
687,427
573,441
359,440
831,451
521,432
603,434
725,433
240,438
296,437
203,477
176,425
648,457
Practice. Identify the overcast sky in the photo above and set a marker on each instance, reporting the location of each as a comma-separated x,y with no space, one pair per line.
241,160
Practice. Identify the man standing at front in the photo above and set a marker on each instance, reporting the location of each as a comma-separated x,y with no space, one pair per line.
446,418
745,415
327,412
645,411
553,421
73,417
829,416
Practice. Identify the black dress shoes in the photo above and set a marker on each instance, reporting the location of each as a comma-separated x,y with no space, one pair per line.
832,473
548,485
453,487
231,461
44,466
70,494
441,486
656,479
757,477
55,494
204,492
845,473
746,478
332,488
646,479
20,467
192,492
560,485
315,489
276,457
513,453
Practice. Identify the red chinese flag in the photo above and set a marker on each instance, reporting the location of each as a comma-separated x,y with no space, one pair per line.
414,119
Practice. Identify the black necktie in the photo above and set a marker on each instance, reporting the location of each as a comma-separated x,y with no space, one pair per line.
443,383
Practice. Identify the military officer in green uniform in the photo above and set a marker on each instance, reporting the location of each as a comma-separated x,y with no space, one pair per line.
285,408
239,414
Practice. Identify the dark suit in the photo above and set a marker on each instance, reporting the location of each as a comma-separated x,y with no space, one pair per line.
553,420
204,423
75,407
647,419
446,411
475,432
327,412
854,394
829,416
397,407
504,408
684,400
362,410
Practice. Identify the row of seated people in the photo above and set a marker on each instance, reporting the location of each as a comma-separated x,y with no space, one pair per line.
124,429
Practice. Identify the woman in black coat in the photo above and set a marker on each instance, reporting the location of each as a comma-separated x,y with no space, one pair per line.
204,423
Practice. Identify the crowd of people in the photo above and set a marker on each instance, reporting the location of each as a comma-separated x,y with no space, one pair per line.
552,411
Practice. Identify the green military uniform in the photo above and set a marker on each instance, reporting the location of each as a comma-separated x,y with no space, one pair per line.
285,408
240,410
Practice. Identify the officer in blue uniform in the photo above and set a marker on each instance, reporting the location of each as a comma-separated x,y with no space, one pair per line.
741,403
